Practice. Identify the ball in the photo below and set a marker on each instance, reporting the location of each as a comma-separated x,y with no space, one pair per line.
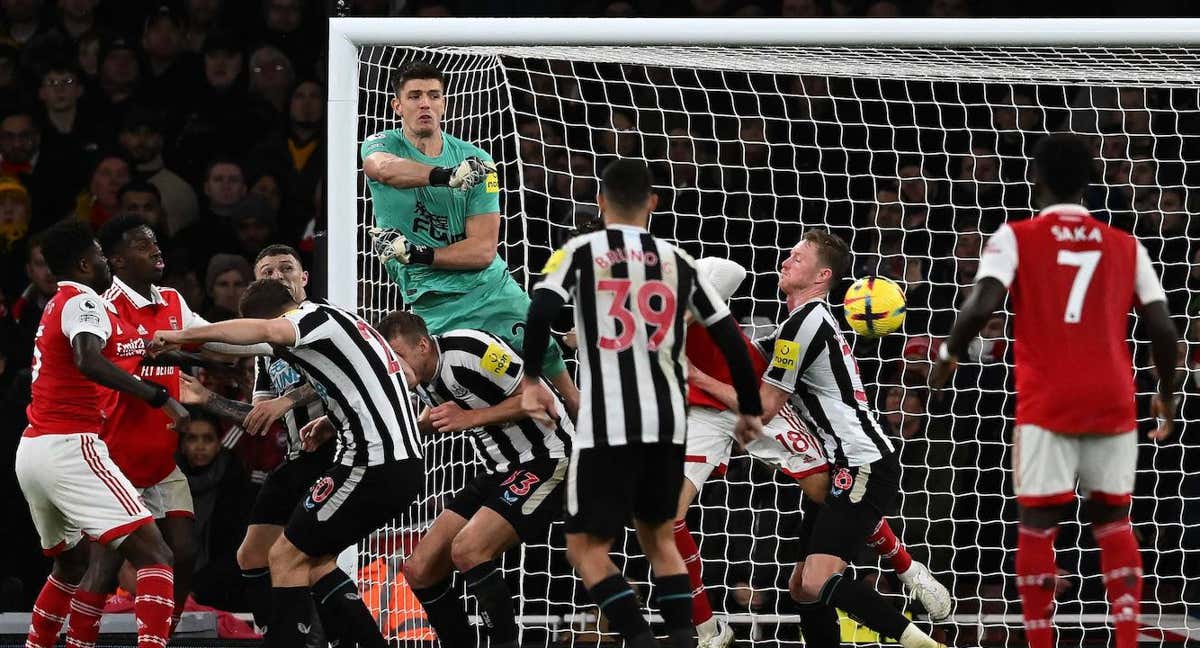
874,306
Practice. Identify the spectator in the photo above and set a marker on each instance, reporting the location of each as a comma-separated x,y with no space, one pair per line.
15,214
10,88
220,492
141,137
255,224
225,281
87,58
200,21
50,182
120,77
904,412
22,20
271,79
224,186
266,185
218,123
171,71
285,30
140,198
26,311
299,156
98,202
67,131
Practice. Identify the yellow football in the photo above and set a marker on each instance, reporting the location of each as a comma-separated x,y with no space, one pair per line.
874,306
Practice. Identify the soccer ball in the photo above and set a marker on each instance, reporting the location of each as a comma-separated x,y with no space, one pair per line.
874,306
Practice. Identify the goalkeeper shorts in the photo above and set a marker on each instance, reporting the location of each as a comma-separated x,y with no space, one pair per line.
499,309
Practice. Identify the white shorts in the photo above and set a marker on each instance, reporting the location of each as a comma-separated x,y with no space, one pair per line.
1047,466
786,445
73,489
171,497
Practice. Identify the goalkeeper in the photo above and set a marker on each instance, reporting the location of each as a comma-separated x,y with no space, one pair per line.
437,217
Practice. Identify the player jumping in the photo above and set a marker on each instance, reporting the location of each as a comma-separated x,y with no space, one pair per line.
813,367
436,200
64,469
787,445
1072,281
473,380
631,291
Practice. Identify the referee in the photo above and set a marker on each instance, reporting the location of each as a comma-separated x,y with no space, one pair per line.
811,364
377,470
631,291
437,211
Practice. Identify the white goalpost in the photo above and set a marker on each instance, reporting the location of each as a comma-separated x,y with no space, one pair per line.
911,138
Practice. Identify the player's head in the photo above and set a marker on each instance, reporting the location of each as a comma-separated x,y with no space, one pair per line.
132,249
1062,164
815,264
266,299
627,192
73,254
282,262
420,97
408,336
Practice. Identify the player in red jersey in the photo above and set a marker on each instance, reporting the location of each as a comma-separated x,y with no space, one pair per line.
72,486
786,445
1072,281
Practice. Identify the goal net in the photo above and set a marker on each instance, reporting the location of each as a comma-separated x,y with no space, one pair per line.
912,154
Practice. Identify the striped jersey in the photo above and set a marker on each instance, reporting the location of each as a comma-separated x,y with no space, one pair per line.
360,382
274,377
630,291
477,370
812,361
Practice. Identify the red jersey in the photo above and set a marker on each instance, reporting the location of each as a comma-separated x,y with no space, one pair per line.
1072,281
64,400
703,354
138,437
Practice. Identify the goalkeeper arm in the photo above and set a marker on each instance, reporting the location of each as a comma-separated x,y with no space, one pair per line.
402,173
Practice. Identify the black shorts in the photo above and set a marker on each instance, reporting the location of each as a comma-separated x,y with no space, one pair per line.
345,504
858,498
287,484
529,496
607,486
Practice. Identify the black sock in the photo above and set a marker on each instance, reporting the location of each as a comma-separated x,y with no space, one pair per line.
338,598
618,602
444,607
865,604
291,618
257,585
819,623
486,582
674,594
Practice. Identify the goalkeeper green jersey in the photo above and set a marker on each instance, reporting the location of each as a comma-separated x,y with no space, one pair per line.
433,216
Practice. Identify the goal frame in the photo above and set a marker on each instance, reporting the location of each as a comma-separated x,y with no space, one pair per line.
346,35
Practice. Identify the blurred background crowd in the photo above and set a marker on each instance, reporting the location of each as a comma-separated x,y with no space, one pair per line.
206,117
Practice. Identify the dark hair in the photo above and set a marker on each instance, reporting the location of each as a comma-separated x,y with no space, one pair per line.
64,244
223,159
61,66
265,299
112,233
416,70
831,250
139,186
402,324
1063,164
197,415
626,183
278,249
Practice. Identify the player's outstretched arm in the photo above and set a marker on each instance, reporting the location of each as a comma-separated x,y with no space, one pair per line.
535,399
986,298
191,392
87,351
449,417
715,388
728,338
474,252
1163,341
238,331
402,173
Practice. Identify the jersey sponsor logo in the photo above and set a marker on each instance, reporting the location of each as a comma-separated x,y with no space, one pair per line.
134,347
435,226
495,360
1076,234
283,376
492,183
786,355
555,261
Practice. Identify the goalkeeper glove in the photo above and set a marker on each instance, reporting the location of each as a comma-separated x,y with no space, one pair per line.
467,174
391,244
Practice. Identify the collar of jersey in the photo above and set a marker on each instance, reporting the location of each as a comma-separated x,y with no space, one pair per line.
629,228
806,303
1065,209
437,344
136,298
84,288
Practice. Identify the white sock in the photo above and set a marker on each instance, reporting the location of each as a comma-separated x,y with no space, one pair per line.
913,637
707,629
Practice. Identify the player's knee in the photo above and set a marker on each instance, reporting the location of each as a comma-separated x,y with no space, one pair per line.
813,581
1102,512
251,556
284,557
183,548
467,551
1042,517
418,571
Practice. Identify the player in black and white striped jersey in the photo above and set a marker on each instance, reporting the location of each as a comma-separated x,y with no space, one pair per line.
377,472
472,380
631,291
812,366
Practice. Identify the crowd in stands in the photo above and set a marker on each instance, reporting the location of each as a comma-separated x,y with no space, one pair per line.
205,117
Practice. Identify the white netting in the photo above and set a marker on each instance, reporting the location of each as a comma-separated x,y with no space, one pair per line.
913,155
